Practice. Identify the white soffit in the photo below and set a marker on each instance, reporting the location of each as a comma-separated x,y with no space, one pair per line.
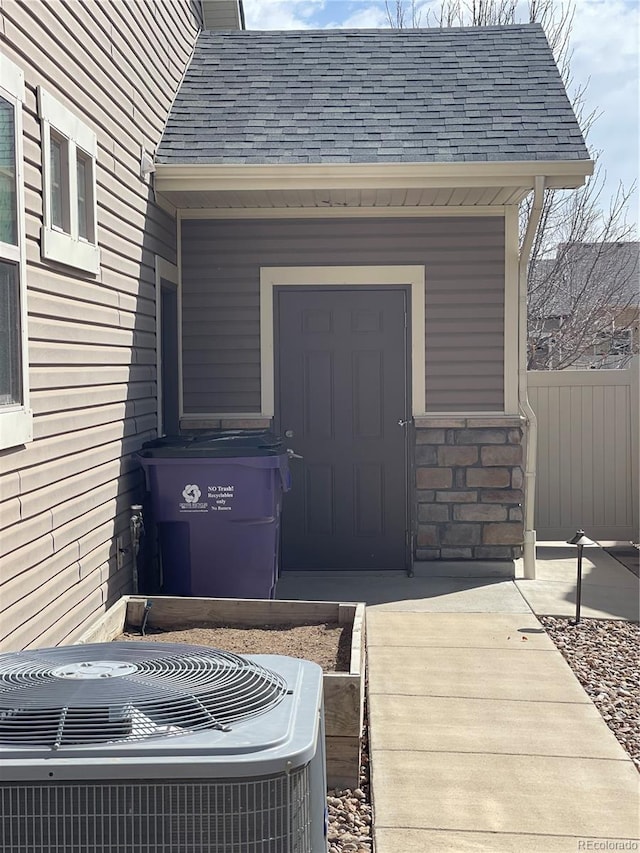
320,200
224,187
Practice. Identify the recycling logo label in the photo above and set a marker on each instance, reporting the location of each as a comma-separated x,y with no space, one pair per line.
191,495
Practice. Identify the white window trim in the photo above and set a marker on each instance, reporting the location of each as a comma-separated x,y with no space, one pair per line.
16,422
56,245
401,275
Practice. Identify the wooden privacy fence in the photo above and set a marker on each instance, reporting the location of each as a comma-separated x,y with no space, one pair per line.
587,452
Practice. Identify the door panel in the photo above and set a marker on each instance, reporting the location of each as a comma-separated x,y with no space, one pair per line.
342,387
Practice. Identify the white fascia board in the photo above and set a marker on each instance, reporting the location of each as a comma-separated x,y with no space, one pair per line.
408,212
566,174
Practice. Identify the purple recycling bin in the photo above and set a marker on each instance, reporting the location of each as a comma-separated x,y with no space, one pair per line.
216,501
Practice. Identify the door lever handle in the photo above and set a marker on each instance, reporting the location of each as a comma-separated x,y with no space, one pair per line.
292,455
402,423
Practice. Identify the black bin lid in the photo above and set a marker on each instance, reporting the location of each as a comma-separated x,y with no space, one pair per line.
215,444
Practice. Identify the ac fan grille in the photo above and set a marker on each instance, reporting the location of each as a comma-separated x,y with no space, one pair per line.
115,692
267,815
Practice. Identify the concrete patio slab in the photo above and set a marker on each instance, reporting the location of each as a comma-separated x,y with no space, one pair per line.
515,794
438,841
547,598
625,553
443,724
537,676
558,563
463,630
396,591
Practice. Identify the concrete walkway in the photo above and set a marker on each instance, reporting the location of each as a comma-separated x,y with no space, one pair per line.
481,738
609,589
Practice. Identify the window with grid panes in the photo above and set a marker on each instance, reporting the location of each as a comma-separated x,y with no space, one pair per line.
69,234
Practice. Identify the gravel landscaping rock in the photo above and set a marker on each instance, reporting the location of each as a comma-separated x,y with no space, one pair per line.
603,655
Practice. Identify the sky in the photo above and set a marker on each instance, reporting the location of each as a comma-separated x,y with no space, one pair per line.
605,45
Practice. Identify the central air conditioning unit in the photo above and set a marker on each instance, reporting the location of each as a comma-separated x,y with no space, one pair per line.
146,747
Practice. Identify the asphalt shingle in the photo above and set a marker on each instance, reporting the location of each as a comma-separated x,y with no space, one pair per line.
426,95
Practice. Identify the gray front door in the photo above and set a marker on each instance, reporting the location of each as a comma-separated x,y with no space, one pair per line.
341,390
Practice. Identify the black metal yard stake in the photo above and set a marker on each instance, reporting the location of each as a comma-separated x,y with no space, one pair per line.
579,540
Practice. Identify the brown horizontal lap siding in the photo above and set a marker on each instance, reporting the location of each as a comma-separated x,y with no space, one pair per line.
65,497
464,266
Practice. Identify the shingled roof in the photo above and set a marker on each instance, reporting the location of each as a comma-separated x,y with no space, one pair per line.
372,96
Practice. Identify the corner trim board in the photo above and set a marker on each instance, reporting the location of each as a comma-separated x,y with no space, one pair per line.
511,313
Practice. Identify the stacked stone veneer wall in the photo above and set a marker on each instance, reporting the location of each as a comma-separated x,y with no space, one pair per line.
469,488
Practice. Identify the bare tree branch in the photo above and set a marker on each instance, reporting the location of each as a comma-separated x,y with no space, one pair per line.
583,277
398,11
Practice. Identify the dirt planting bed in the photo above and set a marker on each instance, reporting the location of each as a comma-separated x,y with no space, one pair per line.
327,644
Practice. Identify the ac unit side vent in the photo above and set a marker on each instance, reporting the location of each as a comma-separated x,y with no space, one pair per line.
265,815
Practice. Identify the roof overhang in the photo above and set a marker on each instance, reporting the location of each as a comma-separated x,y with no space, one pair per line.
286,186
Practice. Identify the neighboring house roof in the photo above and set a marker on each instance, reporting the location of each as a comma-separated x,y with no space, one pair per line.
609,271
372,96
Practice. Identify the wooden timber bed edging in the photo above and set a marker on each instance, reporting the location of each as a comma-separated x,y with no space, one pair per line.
343,691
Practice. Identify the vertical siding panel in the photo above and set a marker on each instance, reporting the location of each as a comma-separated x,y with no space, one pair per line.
576,496
599,506
554,455
541,407
551,439
587,450
609,455
586,467
622,498
563,455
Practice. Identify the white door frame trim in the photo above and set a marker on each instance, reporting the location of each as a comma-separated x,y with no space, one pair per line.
348,276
